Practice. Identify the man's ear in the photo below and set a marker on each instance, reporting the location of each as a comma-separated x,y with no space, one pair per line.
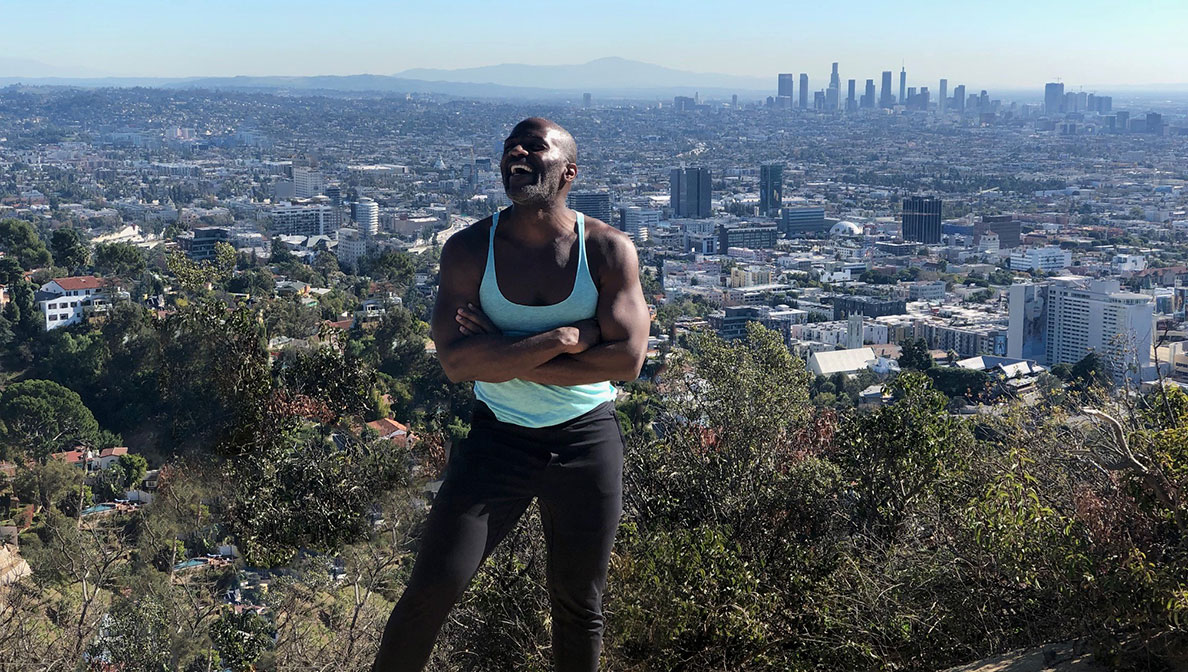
571,171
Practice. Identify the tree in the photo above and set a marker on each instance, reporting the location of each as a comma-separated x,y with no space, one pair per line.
41,417
241,638
915,355
119,259
69,249
1090,371
19,240
391,265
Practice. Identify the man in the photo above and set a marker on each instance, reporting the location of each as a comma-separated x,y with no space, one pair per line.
542,338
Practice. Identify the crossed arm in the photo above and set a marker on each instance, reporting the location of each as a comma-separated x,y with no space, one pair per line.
611,346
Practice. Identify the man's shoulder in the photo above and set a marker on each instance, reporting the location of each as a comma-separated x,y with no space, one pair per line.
469,241
607,246
607,239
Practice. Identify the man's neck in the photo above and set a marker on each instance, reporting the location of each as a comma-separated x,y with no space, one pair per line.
539,224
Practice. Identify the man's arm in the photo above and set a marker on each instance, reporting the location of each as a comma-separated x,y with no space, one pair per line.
622,316
489,357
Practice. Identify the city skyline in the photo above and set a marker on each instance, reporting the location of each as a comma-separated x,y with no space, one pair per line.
1027,44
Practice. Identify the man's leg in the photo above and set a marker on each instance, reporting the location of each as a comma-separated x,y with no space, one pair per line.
486,490
580,509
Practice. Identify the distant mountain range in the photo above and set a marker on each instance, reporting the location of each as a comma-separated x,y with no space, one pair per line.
604,77
614,78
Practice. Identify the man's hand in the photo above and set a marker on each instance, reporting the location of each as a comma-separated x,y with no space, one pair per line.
589,335
577,337
472,321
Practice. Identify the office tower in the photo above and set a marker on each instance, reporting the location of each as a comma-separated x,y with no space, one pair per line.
1006,227
1053,98
734,100
334,193
911,93
689,192
784,84
922,220
885,99
833,101
307,182
1061,321
1155,123
959,98
803,90
923,98
1123,122
585,100
1105,104
868,98
636,221
365,212
798,221
902,85
851,102
596,204
819,101
943,101
771,189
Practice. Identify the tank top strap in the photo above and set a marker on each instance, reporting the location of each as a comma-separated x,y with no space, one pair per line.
583,270
490,270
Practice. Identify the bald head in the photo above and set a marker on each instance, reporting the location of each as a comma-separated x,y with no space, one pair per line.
557,135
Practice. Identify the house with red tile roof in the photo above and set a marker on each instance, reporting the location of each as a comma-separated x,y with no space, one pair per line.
64,301
393,431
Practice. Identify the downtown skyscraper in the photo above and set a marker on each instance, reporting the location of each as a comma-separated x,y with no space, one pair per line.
690,192
771,189
922,220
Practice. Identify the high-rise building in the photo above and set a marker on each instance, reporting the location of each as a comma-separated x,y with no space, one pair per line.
868,98
690,192
834,78
365,212
307,182
902,86
303,217
803,91
1006,227
1155,123
922,219
831,99
959,98
636,221
851,102
771,189
886,98
785,81
943,101
1061,321
799,221
1053,98
586,100
596,204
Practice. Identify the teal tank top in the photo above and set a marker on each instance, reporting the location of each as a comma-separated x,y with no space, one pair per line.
525,403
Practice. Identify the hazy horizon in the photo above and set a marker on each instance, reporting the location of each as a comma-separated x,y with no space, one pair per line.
1019,45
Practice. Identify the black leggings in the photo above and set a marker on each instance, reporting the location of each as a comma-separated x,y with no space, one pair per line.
575,471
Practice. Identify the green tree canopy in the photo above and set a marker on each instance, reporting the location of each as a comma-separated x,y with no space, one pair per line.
915,355
119,259
18,239
40,417
70,251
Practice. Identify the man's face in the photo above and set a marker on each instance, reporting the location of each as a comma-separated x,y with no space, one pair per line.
533,167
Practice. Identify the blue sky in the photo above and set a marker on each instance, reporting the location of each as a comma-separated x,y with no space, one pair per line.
998,44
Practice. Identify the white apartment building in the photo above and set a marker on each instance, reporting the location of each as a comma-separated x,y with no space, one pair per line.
352,246
307,182
1066,318
1128,263
367,216
63,301
1047,259
636,221
303,217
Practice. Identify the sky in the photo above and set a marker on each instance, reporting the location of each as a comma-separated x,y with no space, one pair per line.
1006,43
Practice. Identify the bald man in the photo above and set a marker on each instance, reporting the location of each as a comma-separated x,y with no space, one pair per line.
541,306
